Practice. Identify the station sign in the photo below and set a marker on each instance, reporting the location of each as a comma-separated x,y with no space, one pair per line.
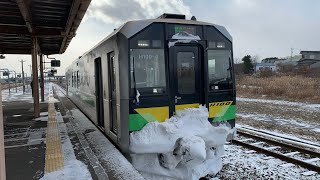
55,63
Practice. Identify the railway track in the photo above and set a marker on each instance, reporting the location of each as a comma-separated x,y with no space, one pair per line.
292,154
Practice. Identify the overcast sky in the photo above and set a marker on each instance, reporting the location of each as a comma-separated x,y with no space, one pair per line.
266,28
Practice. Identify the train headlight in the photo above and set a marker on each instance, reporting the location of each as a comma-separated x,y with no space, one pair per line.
157,90
143,43
221,44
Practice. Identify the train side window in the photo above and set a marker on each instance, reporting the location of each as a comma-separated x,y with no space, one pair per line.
148,73
219,70
72,82
75,80
78,79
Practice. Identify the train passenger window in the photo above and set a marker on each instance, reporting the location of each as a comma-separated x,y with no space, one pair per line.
78,79
148,71
219,70
72,79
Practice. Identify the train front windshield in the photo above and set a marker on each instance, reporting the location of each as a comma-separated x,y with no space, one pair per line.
219,69
148,71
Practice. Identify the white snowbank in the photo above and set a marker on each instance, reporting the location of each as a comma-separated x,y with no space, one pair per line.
186,146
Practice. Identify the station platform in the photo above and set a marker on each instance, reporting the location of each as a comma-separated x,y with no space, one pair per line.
61,144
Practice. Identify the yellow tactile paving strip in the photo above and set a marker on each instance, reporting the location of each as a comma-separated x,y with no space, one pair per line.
54,154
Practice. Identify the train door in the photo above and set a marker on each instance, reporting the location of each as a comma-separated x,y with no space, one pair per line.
99,92
186,77
112,93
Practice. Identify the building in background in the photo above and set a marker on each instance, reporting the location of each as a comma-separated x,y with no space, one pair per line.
268,64
309,58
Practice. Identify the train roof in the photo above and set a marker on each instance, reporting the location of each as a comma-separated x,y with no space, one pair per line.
130,28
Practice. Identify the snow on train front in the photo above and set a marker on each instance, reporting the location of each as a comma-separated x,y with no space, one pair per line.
186,146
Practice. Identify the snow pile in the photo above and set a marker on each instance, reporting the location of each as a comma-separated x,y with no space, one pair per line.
186,146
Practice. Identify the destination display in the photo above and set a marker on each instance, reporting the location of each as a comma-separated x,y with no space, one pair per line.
186,29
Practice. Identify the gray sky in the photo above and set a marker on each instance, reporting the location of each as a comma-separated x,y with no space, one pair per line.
266,28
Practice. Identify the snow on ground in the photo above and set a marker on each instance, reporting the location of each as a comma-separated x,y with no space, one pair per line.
27,96
186,146
295,121
115,164
16,96
281,121
306,106
297,118
73,170
238,163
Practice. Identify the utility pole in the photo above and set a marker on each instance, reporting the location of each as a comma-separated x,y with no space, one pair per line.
2,154
291,53
35,80
41,77
23,81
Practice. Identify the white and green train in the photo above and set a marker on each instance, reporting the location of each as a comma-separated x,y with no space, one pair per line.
147,69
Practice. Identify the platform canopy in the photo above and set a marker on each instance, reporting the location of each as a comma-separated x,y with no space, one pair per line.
52,22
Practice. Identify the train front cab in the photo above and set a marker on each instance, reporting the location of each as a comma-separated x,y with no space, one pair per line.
177,66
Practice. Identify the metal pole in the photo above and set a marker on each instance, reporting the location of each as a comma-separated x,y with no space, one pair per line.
23,81
9,82
30,70
35,83
2,153
15,80
41,77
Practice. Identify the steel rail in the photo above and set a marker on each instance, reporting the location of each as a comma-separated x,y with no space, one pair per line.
275,135
279,155
285,145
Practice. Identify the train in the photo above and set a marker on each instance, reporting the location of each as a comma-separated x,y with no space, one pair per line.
146,70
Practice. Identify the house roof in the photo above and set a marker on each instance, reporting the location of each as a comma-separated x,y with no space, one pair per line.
265,64
315,52
315,65
308,61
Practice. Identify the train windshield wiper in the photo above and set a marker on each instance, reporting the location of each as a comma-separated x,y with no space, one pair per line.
218,81
136,92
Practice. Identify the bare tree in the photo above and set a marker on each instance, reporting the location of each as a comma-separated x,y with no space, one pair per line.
255,59
237,60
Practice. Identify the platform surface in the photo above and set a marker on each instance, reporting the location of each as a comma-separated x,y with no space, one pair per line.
61,144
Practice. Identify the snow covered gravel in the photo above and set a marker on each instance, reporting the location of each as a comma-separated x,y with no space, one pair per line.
295,120
238,163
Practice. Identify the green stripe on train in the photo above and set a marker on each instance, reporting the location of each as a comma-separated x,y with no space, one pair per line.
137,121
228,115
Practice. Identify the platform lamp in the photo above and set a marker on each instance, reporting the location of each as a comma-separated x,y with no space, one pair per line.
2,156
